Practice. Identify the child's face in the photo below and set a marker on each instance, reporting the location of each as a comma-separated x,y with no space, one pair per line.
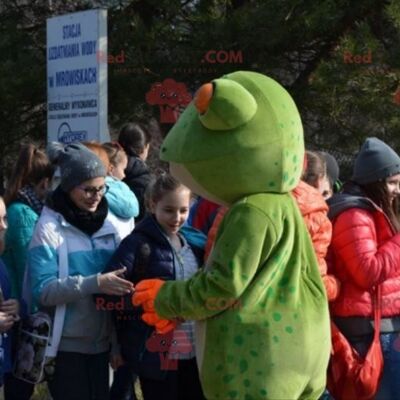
118,171
172,210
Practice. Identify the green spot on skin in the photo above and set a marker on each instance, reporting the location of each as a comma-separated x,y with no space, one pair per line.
244,276
263,392
259,373
246,383
281,125
163,150
243,366
270,292
285,177
291,181
271,184
248,397
276,163
238,340
254,353
277,316
294,158
276,339
233,394
228,378
219,368
289,329
284,281
292,122
249,332
295,316
266,324
292,289
223,328
231,266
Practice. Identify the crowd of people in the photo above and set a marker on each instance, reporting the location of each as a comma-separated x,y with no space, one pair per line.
83,224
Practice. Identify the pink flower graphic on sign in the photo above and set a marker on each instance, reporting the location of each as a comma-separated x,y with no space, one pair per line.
171,96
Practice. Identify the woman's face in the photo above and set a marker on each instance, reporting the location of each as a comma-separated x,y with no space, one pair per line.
88,194
393,186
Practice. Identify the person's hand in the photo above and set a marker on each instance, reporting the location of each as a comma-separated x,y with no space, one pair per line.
116,361
145,293
111,283
162,326
10,306
6,321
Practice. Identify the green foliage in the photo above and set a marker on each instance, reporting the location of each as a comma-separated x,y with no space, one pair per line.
301,43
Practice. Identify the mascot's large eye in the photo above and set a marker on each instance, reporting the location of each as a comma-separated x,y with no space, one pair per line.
224,104
203,97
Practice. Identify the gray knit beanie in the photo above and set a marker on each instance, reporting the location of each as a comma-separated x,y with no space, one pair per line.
375,161
77,164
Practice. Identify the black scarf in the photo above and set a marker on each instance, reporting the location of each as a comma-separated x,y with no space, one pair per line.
86,221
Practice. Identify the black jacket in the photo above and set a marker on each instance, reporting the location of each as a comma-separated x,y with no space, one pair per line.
137,177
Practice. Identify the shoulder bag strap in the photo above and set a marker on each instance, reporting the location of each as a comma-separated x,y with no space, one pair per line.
58,322
377,304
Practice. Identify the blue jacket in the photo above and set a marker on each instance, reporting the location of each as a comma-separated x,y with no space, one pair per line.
21,223
85,329
146,253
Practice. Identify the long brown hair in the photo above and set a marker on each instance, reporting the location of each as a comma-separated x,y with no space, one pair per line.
379,194
31,167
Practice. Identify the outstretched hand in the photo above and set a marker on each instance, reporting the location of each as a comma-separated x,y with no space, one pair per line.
145,293
110,283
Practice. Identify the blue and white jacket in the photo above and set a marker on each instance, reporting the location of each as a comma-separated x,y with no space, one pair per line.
123,203
86,329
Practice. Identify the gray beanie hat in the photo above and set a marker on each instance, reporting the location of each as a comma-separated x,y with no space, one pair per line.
375,161
78,164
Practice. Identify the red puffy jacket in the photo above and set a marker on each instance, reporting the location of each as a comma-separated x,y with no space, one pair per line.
365,252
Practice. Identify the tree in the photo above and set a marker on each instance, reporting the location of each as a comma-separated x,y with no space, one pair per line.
339,59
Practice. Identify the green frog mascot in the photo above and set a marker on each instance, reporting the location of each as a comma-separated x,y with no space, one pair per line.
262,328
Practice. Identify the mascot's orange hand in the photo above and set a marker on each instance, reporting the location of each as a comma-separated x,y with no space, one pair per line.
145,294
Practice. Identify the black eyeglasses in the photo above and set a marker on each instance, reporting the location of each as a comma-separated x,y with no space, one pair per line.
92,191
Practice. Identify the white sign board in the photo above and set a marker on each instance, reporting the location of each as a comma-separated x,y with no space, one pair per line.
77,77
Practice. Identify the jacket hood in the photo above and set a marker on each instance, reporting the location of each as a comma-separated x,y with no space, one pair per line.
308,199
122,201
353,197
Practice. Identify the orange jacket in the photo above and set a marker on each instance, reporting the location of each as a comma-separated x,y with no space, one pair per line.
314,211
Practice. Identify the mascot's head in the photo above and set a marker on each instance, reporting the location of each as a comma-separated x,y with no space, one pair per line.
241,135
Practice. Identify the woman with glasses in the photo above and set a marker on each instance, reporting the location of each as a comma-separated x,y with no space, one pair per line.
76,222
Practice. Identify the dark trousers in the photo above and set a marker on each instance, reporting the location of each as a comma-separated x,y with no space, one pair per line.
15,389
122,386
80,376
181,384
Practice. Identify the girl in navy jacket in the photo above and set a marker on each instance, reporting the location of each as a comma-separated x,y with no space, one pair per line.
165,364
